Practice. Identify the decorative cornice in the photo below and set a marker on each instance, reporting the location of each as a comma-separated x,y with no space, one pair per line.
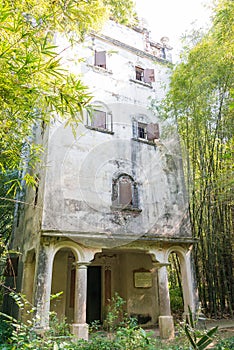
132,49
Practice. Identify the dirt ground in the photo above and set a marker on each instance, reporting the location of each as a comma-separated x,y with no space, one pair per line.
225,329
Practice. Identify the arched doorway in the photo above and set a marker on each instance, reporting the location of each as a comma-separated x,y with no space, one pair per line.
185,281
63,285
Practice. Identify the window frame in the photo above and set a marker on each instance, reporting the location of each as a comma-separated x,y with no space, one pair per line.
99,113
108,128
139,73
144,75
145,132
142,131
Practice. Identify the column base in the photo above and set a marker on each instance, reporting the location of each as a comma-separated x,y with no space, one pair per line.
166,327
80,330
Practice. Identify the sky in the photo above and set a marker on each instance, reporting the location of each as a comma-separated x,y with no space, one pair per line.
172,18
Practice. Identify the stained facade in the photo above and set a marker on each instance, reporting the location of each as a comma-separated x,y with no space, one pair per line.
110,205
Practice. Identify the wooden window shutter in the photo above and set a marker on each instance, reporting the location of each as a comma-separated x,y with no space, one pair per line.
149,75
135,129
125,193
100,59
99,119
152,131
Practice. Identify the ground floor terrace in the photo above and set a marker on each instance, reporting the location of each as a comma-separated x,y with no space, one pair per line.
89,277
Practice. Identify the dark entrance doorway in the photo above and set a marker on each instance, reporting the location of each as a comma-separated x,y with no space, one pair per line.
93,294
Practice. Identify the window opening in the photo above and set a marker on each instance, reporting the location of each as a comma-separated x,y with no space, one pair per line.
145,75
36,186
149,132
142,130
139,73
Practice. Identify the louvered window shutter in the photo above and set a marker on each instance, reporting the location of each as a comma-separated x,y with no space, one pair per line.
149,75
125,193
135,129
99,119
100,59
109,124
152,131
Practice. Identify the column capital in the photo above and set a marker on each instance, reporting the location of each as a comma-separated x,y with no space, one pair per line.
82,264
158,265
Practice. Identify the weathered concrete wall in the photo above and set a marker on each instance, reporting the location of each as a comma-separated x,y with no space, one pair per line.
80,170
79,180
141,302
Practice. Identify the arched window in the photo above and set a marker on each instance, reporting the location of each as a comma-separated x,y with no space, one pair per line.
124,192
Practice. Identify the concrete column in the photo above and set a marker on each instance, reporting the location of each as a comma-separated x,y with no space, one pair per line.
27,289
188,284
166,324
43,287
80,328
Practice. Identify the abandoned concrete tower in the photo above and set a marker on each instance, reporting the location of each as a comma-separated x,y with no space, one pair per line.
110,206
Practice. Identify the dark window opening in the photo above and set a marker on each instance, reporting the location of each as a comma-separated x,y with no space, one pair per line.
100,59
36,191
163,53
142,130
139,73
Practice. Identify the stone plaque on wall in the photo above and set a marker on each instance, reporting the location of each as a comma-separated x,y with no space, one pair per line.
142,279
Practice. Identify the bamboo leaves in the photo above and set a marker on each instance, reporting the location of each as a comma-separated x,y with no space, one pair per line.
200,99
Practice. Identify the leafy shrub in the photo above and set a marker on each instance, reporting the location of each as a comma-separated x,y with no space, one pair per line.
199,340
5,330
176,300
115,313
225,344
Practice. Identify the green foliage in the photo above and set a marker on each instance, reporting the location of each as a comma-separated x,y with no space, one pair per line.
199,340
33,85
127,335
6,207
22,335
132,337
115,313
122,11
5,330
175,285
225,344
200,101
176,300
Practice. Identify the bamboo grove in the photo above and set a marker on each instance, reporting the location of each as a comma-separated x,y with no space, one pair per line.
201,100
